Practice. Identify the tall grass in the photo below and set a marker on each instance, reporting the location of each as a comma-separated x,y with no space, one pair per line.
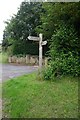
3,57
0,57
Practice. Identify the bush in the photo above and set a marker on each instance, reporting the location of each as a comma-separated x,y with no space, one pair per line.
66,64
64,52
47,73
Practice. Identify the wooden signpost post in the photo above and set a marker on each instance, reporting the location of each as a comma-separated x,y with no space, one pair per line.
41,43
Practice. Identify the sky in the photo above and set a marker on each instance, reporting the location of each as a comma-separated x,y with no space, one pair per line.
7,9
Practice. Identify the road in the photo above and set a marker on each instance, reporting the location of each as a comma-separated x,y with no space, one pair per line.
11,71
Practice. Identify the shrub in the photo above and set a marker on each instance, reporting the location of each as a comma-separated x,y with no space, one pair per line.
64,52
66,64
47,72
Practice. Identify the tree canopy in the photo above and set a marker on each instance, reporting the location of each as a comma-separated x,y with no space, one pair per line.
61,27
20,27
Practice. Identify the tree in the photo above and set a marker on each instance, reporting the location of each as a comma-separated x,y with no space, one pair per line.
61,27
20,26
57,14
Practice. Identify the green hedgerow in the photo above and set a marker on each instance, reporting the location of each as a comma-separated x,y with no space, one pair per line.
64,52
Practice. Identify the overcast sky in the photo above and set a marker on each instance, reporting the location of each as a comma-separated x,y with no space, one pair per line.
7,9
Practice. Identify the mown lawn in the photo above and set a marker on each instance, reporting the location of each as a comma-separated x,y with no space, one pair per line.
27,97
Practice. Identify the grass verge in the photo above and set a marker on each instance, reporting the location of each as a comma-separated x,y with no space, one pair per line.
3,58
27,97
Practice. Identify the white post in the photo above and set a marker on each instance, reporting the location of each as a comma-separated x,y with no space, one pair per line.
40,51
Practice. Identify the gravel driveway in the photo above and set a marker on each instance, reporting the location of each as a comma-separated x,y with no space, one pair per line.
11,71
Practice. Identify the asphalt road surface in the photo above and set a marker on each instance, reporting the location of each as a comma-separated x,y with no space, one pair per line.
11,71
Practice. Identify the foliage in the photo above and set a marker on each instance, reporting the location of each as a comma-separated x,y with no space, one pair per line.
62,30
47,72
26,97
57,14
65,39
19,28
64,52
